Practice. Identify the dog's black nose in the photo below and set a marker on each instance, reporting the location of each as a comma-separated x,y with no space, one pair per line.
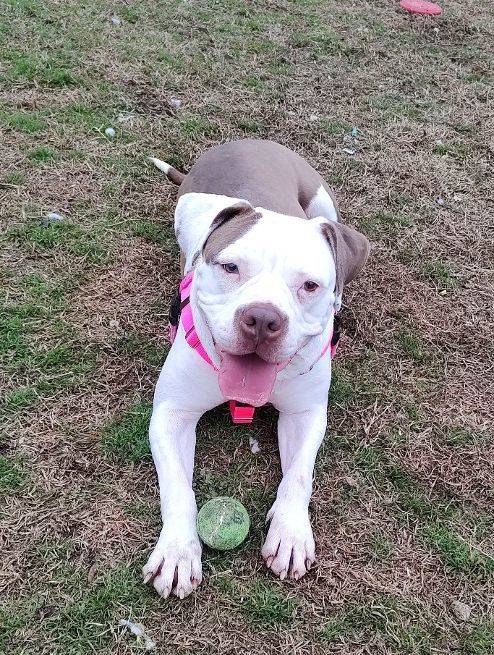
261,322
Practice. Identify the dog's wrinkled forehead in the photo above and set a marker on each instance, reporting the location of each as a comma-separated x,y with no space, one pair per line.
229,225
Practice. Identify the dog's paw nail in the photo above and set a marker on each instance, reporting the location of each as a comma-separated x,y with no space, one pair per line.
308,563
295,575
179,570
283,575
269,561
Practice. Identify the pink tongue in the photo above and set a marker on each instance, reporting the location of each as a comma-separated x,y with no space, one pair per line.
247,378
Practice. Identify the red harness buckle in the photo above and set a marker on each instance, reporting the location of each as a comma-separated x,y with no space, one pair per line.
241,413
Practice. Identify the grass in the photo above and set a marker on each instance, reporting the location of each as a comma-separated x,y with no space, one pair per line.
35,68
432,519
78,623
12,475
264,605
99,605
411,345
386,225
396,624
335,128
479,641
152,232
459,437
23,122
195,128
42,154
14,177
402,504
440,274
19,399
342,390
251,127
127,437
13,618
334,630
380,547
456,553
40,368
133,345
457,150
60,236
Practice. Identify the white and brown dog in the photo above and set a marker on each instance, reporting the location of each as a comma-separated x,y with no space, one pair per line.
259,232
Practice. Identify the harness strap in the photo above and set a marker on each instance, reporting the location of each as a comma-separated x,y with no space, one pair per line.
187,319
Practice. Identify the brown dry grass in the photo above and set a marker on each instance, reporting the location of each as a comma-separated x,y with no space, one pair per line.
409,448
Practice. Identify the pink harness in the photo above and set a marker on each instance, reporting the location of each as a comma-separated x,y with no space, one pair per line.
239,412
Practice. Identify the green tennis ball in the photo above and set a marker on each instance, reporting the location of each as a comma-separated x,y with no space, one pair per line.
223,523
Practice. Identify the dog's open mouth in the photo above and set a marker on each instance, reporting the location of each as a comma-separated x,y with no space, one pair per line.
247,378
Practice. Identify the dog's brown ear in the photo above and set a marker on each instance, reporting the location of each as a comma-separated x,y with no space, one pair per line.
350,251
229,225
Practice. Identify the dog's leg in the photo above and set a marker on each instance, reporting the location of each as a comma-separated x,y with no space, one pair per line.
289,546
175,563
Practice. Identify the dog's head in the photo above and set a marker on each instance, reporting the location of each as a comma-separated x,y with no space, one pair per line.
266,283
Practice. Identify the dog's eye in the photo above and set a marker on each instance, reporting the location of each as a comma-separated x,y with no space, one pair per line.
230,268
310,286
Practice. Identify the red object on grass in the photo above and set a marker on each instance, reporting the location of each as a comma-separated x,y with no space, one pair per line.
421,7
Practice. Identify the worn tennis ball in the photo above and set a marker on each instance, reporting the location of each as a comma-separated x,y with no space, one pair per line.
223,523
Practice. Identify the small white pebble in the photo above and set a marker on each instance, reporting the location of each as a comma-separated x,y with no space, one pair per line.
440,200
114,323
349,151
175,103
53,216
116,20
50,218
125,118
110,132
461,610
254,445
439,142
313,117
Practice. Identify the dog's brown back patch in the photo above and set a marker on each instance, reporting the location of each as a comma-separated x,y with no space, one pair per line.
265,173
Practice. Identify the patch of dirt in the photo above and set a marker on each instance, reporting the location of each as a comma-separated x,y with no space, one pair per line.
124,298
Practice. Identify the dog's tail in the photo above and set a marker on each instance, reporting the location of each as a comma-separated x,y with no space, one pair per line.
171,173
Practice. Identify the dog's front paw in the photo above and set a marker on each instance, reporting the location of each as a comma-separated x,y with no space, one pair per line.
289,549
174,566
